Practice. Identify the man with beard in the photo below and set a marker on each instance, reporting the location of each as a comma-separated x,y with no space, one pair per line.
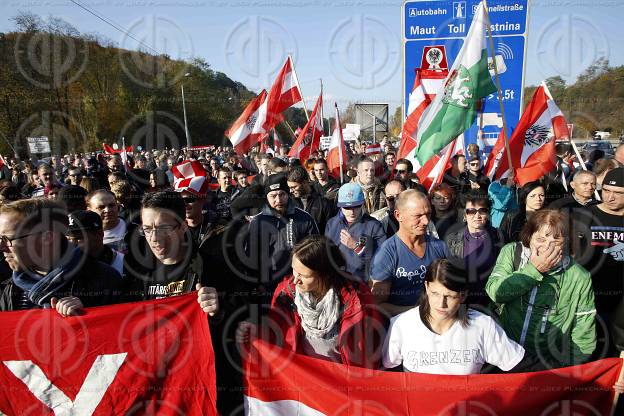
273,233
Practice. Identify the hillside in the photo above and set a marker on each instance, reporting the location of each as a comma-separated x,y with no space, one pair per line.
594,102
81,91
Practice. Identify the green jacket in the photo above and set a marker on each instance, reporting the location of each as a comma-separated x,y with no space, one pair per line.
560,327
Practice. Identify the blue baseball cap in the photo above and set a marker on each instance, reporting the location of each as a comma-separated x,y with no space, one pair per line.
350,195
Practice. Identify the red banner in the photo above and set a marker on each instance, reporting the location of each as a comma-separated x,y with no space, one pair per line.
280,382
134,359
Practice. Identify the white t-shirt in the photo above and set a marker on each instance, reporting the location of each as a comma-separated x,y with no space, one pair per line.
459,351
115,234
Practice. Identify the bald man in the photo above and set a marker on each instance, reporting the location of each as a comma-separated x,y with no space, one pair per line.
399,267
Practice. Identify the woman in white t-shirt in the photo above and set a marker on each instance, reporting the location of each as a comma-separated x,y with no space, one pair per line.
442,335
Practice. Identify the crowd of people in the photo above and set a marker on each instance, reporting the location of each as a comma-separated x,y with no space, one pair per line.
469,276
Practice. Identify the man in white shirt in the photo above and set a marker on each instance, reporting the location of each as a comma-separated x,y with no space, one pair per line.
103,202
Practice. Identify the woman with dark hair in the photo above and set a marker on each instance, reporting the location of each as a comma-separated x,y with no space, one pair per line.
319,311
475,245
442,335
158,181
444,213
531,198
546,299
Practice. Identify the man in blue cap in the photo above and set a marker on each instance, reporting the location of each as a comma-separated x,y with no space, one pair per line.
355,232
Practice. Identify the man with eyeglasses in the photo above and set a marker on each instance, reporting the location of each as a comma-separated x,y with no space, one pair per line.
49,271
385,215
358,235
75,175
403,172
172,266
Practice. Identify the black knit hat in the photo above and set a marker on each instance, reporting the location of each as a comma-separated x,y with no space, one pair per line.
615,177
276,182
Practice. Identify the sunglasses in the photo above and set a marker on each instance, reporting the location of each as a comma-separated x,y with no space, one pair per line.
473,211
189,199
400,171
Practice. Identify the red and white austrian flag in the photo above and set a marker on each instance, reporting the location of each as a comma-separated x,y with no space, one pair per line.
532,143
373,149
248,128
190,176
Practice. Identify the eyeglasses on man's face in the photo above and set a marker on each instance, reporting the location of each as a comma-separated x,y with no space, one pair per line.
158,231
6,241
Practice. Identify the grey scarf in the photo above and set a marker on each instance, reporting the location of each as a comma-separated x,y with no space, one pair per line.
318,318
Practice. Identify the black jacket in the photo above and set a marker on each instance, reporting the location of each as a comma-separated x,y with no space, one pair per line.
95,284
320,208
329,190
271,239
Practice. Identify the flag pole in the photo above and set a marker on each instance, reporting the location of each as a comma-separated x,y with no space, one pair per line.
341,145
616,396
322,111
498,86
289,128
292,65
480,140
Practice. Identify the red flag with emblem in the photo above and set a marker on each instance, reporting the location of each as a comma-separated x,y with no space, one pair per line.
532,143
245,132
309,138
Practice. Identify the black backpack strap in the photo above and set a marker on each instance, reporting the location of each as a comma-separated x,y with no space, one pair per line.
517,256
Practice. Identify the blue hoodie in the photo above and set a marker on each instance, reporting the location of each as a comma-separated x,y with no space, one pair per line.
503,200
367,230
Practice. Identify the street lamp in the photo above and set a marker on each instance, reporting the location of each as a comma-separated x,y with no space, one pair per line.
186,130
